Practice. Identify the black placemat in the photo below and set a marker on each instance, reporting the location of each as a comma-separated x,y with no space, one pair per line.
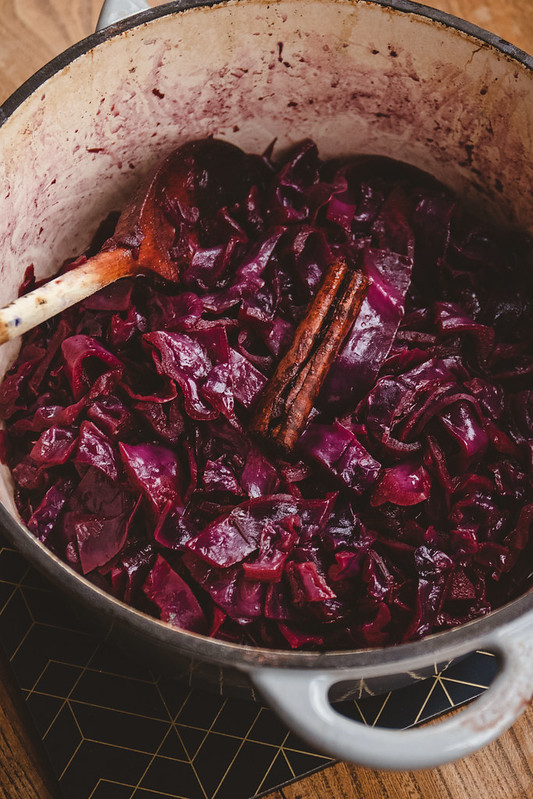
115,730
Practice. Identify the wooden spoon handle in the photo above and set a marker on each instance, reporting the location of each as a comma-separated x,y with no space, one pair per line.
53,297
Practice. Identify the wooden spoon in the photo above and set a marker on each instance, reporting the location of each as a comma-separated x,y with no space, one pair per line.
144,235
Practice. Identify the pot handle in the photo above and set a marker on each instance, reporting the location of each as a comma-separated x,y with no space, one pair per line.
300,697
116,10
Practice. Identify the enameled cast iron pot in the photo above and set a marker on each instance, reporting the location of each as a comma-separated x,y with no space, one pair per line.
379,76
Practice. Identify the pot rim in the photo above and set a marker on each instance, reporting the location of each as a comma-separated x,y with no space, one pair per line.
464,638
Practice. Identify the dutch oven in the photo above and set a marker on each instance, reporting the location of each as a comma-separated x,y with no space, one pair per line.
382,76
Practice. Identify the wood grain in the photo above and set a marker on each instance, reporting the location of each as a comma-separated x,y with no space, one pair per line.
510,19
34,31
31,33
503,770
24,772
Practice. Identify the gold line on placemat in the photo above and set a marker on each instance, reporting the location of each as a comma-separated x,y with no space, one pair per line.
164,701
221,708
177,760
297,751
173,726
101,707
193,727
192,668
78,678
267,772
121,676
44,590
448,697
24,599
32,617
69,705
11,582
80,743
232,761
158,793
41,675
381,709
426,700
130,749
154,755
237,738
101,780
71,759
16,586
10,597
288,762
54,626
198,778
188,727
88,668
127,785
356,703
463,682
96,787
30,628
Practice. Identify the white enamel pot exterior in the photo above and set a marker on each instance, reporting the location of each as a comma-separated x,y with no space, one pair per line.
385,77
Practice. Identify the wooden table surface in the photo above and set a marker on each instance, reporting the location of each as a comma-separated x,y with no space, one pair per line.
31,33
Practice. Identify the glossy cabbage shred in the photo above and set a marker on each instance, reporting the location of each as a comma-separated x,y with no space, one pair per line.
408,505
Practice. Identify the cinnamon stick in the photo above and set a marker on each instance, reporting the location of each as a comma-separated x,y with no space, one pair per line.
284,407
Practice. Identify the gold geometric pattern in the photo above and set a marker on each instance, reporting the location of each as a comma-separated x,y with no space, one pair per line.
114,730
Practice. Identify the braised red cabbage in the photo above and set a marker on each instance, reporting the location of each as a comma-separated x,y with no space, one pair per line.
408,504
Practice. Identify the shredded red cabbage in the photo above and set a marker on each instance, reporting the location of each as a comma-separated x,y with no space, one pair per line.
408,506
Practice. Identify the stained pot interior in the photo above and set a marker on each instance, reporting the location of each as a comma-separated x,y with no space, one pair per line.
355,76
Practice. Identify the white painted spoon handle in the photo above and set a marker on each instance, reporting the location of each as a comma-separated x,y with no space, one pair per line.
53,297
